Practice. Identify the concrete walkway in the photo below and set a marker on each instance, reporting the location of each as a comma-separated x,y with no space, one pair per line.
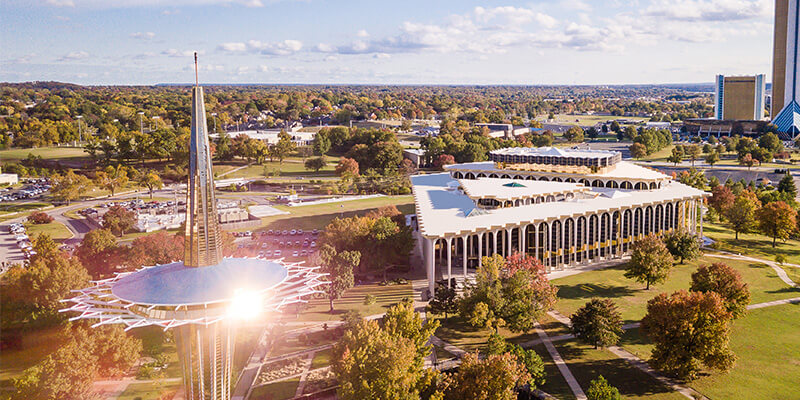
562,366
639,363
778,270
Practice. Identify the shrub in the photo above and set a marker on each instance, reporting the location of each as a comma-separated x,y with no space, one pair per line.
40,218
370,299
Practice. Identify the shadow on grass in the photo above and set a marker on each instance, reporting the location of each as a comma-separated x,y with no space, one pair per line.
590,290
628,379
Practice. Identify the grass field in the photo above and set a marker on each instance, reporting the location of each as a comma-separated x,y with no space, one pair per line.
794,273
353,300
660,155
36,345
142,391
591,119
321,359
631,297
55,229
459,333
318,216
752,244
293,167
275,391
44,152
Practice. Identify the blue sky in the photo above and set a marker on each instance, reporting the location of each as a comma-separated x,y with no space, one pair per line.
404,42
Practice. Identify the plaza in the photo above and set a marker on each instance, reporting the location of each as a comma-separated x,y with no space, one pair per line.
564,207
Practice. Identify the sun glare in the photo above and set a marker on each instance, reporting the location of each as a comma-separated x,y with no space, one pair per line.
245,305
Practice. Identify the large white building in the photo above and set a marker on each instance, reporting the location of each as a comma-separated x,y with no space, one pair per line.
564,207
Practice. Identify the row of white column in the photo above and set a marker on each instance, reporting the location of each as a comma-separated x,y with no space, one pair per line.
681,214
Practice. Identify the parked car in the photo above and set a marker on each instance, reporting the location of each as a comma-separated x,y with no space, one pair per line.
277,253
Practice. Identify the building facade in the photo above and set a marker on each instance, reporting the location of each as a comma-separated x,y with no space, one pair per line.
739,97
563,217
785,111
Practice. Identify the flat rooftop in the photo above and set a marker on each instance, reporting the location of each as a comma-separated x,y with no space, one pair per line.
514,189
443,212
621,170
554,152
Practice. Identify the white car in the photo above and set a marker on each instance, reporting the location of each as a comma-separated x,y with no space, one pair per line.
277,253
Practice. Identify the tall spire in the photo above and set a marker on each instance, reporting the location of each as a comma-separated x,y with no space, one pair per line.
202,240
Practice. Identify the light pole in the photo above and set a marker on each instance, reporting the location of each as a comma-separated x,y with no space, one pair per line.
214,116
141,122
80,133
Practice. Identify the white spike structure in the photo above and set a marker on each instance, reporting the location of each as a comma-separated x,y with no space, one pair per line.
199,298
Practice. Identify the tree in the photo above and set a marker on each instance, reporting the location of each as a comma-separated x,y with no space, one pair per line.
630,132
721,199
727,283
444,301
598,323
693,152
389,243
99,253
683,245
39,218
777,220
600,389
638,150
747,160
347,168
69,186
151,181
402,320
316,163
712,158
118,220
742,213
159,248
442,160
322,143
339,266
371,363
615,126
650,261
36,290
688,328
574,134
112,178
787,186
494,378
676,156
283,148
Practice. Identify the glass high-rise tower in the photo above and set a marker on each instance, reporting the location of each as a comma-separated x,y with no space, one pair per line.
785,69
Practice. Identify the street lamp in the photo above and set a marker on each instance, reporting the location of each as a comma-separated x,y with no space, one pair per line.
80,133
141,122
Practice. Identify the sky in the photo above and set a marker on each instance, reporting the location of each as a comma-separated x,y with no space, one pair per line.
144,42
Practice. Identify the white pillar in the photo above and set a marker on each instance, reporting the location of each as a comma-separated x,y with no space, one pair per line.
701,225
508,230
480,249
429,264
494,242
464,261
449,261
521,239
536,241
574,239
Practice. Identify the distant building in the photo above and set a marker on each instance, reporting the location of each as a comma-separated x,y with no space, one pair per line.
8,179
270,136
417,157
785,111
739,97
503,130
713,127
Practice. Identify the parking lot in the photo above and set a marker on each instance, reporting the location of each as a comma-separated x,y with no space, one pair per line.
34,188
293,245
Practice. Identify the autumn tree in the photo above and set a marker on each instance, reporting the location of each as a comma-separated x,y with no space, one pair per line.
118,220
402,320
721,199
156,248
112,178
283,148
742,213
69,186
650,261
574,134
598,323
339,266
727,283
494,378
688,329
693,152
712,158
683,245
676,156
99,253
442,160
347,168
151,181
638,150
777,220
747,160
600,389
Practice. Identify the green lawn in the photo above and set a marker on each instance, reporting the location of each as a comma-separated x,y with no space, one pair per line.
459,333
294,168
19,207
660,155
35,345
631,297
794,273
591,119
586,363
555,384
275,391
143,391
44,152
321,359
55,229
318,216
752,244
353,300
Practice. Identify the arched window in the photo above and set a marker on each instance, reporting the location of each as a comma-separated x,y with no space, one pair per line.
641,186
626,185
469,175
597,183
652,185
457,175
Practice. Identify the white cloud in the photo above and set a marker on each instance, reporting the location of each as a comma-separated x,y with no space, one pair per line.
151,3
143,35
382,55
75,55
60,3
709,10
180,53
513,16
362,33
62,18
282,48
578,5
